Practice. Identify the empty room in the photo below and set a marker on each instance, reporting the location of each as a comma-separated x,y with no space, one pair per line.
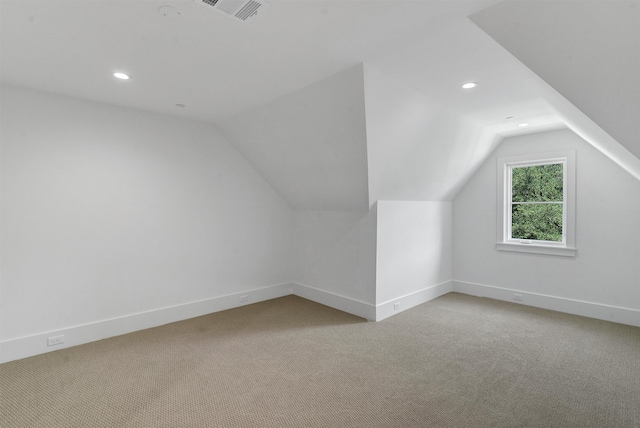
319,213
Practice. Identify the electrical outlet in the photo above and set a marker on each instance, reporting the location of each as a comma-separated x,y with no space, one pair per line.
517,297
55,340
396,306
244,299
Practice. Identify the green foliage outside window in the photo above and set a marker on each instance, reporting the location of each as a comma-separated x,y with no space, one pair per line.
537,195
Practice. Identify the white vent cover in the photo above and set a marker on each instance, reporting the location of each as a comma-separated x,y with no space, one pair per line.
239,9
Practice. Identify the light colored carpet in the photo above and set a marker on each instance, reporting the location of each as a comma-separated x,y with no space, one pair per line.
457,361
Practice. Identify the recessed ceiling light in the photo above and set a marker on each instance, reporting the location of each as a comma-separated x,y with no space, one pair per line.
522,125
121,76
469,85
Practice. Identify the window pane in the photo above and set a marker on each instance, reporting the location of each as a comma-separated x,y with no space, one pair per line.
540,183
540,222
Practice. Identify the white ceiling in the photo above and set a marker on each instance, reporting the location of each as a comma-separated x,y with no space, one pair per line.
310,145
210,62
223,70
437,64
589,51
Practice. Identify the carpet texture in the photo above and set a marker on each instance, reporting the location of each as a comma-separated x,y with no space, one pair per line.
457,361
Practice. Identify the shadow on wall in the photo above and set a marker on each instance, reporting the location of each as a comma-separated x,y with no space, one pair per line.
414,247
336,252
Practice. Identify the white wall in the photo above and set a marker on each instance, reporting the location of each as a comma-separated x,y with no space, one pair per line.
602,281
417,150
365,263
336,259
109,212
414,254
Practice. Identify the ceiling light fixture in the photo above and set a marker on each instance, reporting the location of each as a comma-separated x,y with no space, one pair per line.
121,76
469,85
523,125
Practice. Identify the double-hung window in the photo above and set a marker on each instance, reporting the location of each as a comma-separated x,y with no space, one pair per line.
536,204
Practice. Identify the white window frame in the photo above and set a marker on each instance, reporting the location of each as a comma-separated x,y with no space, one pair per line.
565,248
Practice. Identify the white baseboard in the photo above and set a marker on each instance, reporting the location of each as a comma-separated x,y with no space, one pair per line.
577,307
22,347
408,301
336,301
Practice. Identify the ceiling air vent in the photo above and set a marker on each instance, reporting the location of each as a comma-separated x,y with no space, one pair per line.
239,9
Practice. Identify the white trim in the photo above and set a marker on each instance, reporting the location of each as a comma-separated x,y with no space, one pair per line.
567,247
599,311
536,249
408,301
336,301
22,347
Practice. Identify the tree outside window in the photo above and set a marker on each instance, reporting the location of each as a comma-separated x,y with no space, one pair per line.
537,200
536,209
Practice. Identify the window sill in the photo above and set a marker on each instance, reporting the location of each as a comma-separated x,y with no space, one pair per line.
537,249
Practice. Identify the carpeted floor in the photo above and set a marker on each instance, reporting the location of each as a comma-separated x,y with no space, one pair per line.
457,361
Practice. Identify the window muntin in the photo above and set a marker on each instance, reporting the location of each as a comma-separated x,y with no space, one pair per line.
536,202
539,187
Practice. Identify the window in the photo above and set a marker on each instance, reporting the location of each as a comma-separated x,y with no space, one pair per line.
536,204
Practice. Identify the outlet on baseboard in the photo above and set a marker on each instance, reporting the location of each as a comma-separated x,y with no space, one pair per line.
396,306
55,340
517,297
244,298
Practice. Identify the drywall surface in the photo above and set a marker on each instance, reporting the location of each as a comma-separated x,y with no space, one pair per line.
414,247
606,270
310,145
108,212
336,252
589,51
417,150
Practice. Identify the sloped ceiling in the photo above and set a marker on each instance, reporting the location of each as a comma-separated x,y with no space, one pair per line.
267,84
588,51
310,145
426,134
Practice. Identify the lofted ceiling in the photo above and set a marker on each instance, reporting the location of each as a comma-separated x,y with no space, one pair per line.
187,60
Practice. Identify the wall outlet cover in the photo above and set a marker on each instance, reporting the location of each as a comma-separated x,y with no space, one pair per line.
55,340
